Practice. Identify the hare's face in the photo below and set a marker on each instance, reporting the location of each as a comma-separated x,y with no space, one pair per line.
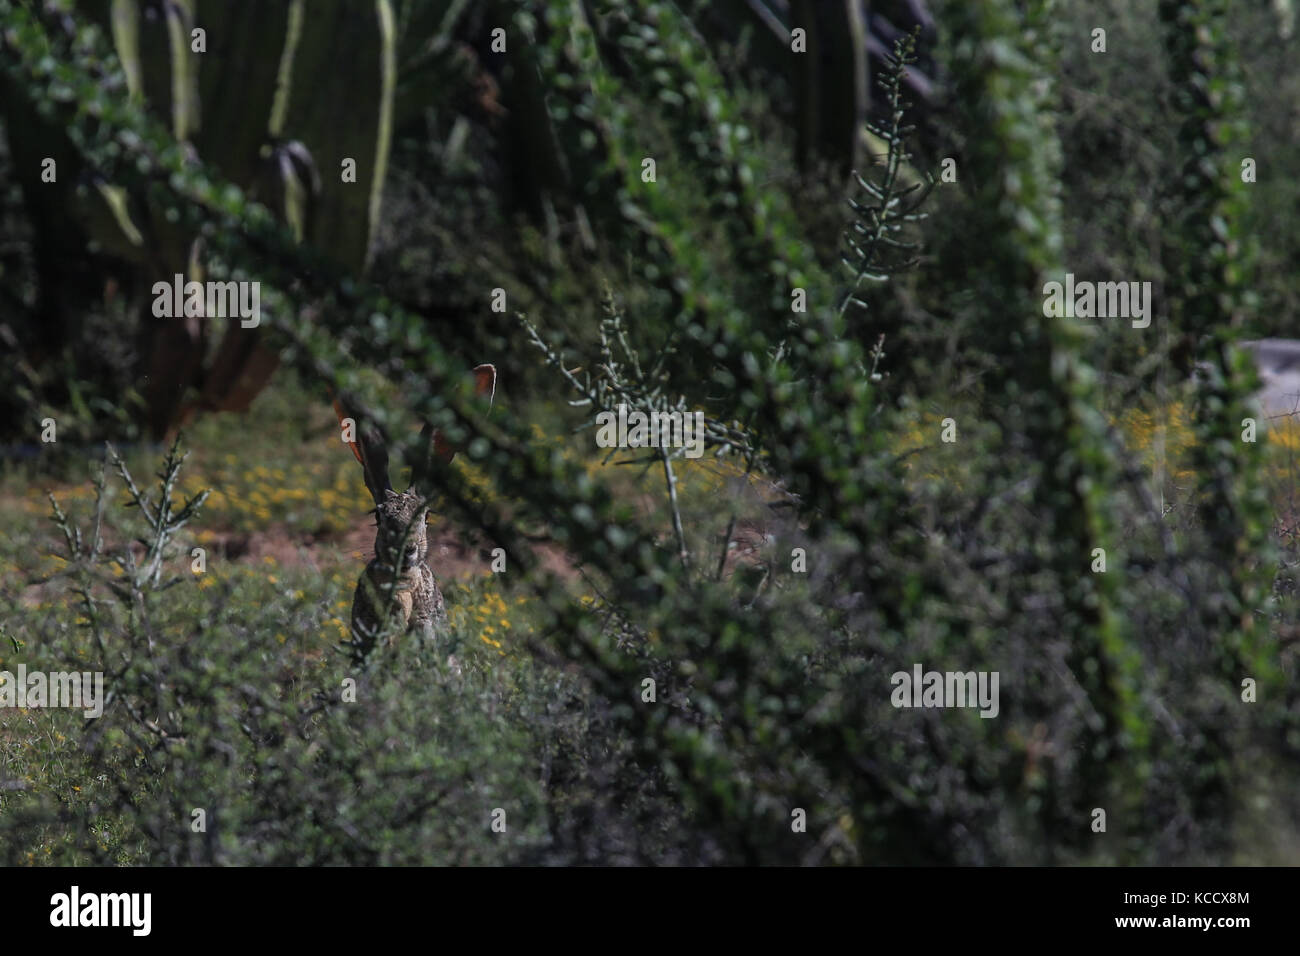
394,516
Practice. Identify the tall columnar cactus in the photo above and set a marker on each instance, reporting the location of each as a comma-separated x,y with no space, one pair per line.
291,101
831,80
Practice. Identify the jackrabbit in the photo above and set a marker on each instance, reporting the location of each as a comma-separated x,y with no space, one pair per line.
397,585
397,592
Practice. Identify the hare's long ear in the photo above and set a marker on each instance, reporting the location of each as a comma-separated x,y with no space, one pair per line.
368,448
485,384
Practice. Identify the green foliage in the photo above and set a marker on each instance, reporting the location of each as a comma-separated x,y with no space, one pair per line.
1041,388
1209,265
877,248
700,687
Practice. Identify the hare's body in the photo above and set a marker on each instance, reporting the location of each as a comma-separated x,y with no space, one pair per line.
397,593
414,601
416,606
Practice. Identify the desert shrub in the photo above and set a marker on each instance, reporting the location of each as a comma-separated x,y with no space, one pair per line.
226,696
719,688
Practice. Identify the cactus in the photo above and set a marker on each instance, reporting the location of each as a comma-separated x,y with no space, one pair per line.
277,101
